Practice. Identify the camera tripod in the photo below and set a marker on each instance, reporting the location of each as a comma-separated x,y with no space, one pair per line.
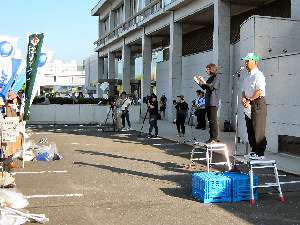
144,122
111,110
191,125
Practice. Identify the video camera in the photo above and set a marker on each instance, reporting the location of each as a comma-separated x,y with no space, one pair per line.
148,98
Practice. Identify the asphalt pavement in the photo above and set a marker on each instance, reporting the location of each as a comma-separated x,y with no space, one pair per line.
126,178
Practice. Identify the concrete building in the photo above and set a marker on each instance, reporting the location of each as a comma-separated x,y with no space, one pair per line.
61,77
192,33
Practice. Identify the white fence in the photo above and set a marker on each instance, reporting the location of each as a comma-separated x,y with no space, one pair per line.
75,114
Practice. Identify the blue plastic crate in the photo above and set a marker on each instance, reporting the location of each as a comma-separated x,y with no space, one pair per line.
211,187
240,186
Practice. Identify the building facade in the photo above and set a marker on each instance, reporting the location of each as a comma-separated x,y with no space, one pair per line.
192,33
62,77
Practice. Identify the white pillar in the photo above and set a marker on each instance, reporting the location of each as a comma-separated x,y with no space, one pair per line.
111,72
295,9
100,75
126,67
111,20
221,53
146,72
100,28
175,64
126,13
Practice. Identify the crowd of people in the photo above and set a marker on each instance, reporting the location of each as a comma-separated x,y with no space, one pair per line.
207,104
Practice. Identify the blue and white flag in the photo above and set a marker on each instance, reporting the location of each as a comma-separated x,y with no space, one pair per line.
45,58
8,50
16,63
20,81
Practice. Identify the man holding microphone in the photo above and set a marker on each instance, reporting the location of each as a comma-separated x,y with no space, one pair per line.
255,106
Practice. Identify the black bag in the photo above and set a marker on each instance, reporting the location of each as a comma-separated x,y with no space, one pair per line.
227,126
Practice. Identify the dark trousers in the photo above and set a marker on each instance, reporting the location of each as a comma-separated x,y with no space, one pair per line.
213,122
256,126
180,123
201,123
125,116
153,123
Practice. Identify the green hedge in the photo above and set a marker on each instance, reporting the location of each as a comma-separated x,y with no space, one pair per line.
62,101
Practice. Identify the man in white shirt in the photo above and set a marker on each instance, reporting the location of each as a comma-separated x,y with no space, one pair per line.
125,111
254,90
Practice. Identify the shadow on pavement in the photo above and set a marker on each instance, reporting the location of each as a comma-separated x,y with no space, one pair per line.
267,210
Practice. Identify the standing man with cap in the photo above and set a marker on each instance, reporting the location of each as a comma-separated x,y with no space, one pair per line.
212,97
181,112
255,107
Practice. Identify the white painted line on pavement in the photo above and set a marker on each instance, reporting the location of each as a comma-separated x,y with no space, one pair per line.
48,196
64,171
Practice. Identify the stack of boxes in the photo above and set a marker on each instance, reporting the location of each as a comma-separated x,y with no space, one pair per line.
222,187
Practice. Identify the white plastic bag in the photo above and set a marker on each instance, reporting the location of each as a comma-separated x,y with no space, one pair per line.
12,196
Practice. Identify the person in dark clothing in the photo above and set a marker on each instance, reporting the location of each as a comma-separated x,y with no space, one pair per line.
181,112
212,96
163,103
153,110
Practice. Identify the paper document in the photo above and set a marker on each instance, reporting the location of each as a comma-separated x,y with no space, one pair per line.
247,111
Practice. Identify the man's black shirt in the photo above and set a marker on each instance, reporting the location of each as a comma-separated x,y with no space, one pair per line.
182,108
154,111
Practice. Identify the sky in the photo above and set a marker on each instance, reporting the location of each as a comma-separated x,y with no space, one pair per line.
68,26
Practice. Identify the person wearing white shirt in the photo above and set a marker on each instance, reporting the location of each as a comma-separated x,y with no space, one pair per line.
125,111
254,90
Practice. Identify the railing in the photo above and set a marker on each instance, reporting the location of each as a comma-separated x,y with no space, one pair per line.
131,21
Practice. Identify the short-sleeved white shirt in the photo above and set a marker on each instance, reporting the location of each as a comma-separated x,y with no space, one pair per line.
254,81
125,103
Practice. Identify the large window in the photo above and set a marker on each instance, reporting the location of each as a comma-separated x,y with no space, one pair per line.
106,25
119,16
136,5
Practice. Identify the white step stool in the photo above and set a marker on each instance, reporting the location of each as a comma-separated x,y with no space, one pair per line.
260,164
209,149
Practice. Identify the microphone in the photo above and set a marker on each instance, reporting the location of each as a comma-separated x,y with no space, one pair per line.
239,71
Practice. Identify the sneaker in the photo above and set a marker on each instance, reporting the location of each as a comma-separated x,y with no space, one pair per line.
210,141
178,135
254,156
124,129
149,136
182,135
130,128
155,136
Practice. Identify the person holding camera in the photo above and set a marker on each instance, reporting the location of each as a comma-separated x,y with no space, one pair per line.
153,110
212,97
181,112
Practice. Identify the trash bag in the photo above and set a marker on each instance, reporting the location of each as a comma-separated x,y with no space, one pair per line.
9,219
48,153
43,157
14,197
